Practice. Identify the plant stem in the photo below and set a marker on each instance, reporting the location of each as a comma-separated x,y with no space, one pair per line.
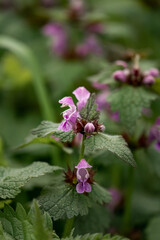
116,172
68,227
128,200
82,148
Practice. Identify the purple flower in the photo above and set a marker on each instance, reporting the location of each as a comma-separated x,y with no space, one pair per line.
82,177
149,80
82,95
70,115
154,134
116,198
121,63
58,34
89,46
154,72
119,75
89,128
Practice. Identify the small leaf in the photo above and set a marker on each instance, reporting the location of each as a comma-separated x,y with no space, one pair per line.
11,180
114,144
45,128
89,112
57,200
130,101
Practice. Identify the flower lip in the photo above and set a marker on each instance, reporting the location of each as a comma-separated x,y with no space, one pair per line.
66,101
82,175
83,164
81,93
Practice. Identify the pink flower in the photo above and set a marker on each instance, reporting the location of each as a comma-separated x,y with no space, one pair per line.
154,134
70,115
82,177
119,75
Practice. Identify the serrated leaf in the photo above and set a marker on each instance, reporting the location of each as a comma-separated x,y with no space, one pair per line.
45,140
153,231
45,128
89,112
115,144
96,236
64,136
28,227
64,202
11,179
130,101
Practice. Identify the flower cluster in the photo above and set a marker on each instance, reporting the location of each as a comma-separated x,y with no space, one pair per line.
72,118
135,76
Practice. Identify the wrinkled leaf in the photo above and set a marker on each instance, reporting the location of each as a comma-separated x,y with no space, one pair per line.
114,144
130,101
11,180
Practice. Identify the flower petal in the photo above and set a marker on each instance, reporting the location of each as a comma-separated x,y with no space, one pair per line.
80,188
83,164
82,175
65,126
87,187
66,101
81,93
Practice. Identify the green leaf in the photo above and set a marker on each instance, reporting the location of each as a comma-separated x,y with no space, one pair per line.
95,236
130,101
62,201
22,226
64,136
45,128
114,144
153,231
89,112
11,180
45,140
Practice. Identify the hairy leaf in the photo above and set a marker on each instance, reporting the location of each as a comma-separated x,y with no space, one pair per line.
64,136
22,226
45,140
89,112
11,180
62,201
130,101
45,128
114,144
96,236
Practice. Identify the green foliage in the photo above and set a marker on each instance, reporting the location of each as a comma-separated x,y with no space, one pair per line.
96,236
11,180
130,101
114,144
22,226
89,112
62,201
45,140
153,231
47,128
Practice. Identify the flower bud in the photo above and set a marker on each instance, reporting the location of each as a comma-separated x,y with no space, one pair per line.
149,80
89,128
121,63
119,75
154,72
102,128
